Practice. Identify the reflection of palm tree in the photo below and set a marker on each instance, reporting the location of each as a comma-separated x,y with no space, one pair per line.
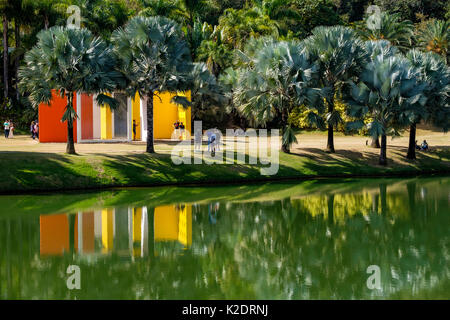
151,231
411,188
383,190
330,202
71,219
375,203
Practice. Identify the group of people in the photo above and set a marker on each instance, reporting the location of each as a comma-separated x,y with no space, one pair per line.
423,146
179,129
34,130
9,129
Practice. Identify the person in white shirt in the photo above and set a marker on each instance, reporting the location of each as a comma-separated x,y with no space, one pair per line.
6,124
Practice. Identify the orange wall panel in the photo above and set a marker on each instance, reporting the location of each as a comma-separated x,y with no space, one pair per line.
88,232
51,129
54,234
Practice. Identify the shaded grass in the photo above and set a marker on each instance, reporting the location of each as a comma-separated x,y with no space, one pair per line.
33,171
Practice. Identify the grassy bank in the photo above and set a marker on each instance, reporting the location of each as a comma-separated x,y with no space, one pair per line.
36,171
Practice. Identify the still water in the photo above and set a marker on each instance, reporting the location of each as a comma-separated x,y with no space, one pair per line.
311,240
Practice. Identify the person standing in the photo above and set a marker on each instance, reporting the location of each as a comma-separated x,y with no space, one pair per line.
135,125
176,126
11,129
32,130
181,131
197,140
36,129
6,124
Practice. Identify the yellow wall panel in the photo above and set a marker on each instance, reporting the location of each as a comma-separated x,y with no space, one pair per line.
107,229
165,113
166,223
185,226
106,122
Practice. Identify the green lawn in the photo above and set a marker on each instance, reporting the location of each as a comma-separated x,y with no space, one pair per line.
29,171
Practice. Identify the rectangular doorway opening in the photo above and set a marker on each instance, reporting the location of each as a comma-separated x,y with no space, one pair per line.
121,117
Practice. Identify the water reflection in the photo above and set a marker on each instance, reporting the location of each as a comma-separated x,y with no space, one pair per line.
305,241
122,230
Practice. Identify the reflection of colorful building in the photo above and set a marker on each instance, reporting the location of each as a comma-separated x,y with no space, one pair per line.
173,223
122,230
96,123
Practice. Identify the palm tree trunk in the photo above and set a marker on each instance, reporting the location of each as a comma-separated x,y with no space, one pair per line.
412,143
375,142
150,143
17,36
70,148
46,22
330,142
383,159
285,148
5,55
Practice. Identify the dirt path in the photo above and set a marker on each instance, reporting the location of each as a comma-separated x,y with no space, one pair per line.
309,144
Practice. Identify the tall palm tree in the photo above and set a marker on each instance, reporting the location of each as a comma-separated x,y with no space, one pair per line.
277,78
386,84
340,56
435,36
386,49
69,61
4,9
436,75
154,58
207,93
391,27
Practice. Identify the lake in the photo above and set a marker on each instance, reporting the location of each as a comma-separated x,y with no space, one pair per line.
329,239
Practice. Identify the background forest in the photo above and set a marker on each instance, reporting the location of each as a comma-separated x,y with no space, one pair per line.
216,31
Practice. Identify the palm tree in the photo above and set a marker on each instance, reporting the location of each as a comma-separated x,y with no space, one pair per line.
69,61
160,8
277,78
386,84
208,95
154,57
340,56
435,36
436,74
216,54
238,26
374,49
392,28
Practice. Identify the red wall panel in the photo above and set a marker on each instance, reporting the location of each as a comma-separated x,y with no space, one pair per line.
87,123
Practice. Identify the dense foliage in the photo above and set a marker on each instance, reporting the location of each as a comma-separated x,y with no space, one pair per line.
289,64
213,30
